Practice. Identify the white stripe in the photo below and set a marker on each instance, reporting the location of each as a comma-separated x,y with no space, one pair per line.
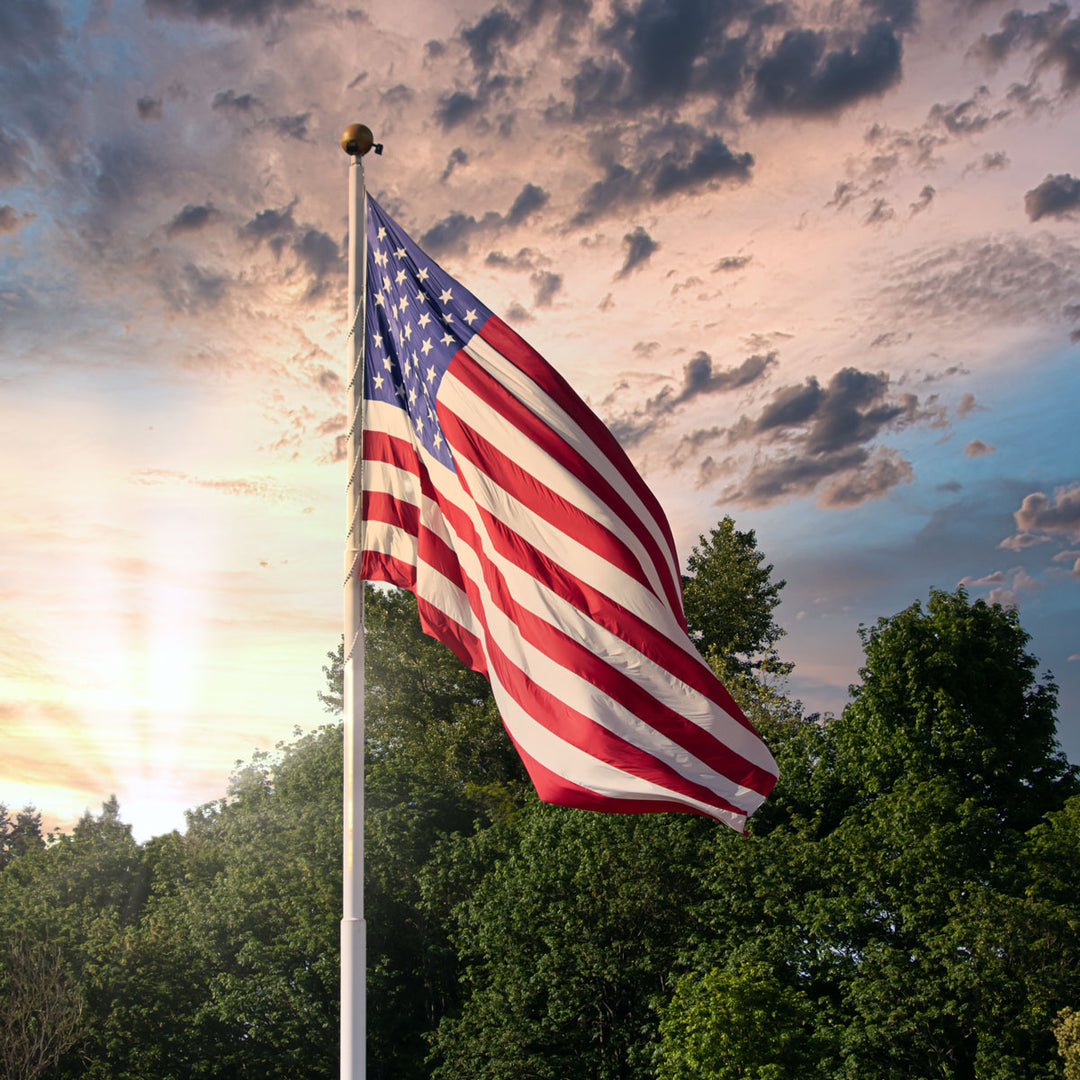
530,395
523,452
543,602
580,768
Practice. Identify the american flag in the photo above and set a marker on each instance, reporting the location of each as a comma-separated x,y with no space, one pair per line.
537,554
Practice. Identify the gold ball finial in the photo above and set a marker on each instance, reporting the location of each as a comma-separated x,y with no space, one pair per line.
357,140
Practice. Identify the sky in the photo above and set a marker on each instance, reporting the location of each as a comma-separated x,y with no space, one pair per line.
816,264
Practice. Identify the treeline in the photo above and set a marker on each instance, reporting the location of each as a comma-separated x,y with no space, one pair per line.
906,904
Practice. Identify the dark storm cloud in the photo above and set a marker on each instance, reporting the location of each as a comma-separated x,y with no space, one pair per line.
1056,196
640,247
457,157
968,117
122,170
883,471
671,159
485,38
824,432
926,197
547,285
190,219
275,227
236,12
290,127
455,230
231,100
1054,37
529,199
710,161
699,378
149,108
190,288
801,77
319,254
455,108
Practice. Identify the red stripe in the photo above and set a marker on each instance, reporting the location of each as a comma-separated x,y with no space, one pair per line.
556,789
468,443
524,357
468,648
562,721
534,428
577,657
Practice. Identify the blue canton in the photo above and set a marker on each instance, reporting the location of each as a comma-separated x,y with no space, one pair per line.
417,318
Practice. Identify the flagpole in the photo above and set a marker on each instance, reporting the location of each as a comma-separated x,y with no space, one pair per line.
355,141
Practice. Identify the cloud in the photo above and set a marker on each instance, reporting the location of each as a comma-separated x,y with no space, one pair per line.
884,470
1054,37
1011,280
229,100
1056,196
12,158
259,487
640,247
11,220
699,377
547,285
674,159
926,197
317,252
236,12
290,127
1061,517
149,108
802,78
530,199
453,232
191,219
457,157
977,448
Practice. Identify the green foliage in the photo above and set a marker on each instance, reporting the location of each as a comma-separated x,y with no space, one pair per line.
729,597
1067,1033
741,1025
904,907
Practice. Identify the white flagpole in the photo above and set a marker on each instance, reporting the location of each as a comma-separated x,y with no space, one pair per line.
355,141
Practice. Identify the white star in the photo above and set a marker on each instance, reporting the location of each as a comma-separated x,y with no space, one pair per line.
447,318
420,427
424,320
382,232
403,303
470,316
447,338
420,296
380,299
386,363
431,373
445,296
380,257
379,380
377,341
412,396
400,252
422,273
407,331
400,276
438,440
427,346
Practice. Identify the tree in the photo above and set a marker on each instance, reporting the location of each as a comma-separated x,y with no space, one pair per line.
729,598
951,691
19,835
741,1025
41,1010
